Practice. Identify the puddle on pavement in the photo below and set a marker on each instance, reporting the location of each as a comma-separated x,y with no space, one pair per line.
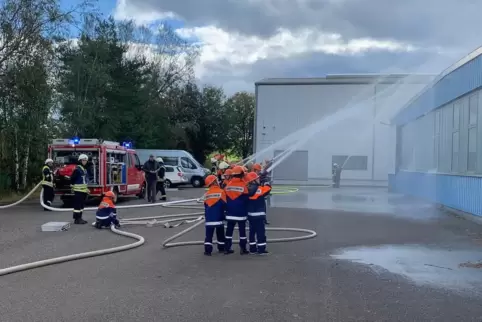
363,200
436,267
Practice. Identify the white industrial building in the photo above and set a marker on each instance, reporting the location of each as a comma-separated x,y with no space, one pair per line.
350,115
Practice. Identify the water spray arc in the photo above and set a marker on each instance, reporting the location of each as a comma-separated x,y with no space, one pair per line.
166,220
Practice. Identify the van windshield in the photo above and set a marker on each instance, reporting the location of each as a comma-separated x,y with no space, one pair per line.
194,160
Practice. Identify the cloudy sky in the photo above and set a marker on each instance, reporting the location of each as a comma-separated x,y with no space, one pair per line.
247,40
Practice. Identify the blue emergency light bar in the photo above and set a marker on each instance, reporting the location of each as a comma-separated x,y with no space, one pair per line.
74,141
127,145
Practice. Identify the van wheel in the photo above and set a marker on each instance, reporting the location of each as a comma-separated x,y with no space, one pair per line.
167,183
142,194
196,182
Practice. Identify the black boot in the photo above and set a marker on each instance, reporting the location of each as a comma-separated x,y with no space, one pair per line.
244,252
80,221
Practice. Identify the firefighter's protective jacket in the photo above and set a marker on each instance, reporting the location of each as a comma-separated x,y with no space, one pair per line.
47,176
106,209
257,203
214,206
79,179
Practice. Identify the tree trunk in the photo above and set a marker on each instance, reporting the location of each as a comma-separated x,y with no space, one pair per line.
16,160
25,164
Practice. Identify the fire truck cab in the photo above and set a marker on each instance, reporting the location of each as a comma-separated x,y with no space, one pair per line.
111,167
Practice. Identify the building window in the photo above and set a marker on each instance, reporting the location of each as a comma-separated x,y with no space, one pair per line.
455,151
456,118
436,138
472,149
352,162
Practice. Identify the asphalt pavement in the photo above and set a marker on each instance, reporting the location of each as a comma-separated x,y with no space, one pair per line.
377,257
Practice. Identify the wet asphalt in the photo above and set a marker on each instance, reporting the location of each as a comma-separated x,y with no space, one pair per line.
377,257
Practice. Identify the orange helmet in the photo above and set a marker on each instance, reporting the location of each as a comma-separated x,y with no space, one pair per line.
251,176
109,194
237,170
210,179
257,166
228,172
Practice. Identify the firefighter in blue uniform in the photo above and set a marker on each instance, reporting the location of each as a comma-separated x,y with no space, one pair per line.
48,183
237,211
257,214
106,214
214,208
264,178
79,187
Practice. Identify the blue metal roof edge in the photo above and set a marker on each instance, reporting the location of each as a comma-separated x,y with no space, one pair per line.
460,78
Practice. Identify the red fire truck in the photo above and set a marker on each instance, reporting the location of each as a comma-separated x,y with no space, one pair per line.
111,167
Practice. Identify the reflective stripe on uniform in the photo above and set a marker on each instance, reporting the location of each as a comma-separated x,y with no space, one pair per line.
80,188
255,214
236,218
45,182
214,223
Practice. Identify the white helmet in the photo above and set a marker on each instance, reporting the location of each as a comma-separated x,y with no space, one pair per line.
49,161
83,157
223,165
214,160
159,159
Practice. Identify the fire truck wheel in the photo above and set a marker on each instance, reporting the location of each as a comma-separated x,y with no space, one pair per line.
142,194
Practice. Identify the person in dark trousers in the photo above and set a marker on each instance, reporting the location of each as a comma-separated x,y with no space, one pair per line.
336,174
237,197
264,178
161,178
256,214
48,183
80,189
214,213
151,167
106,214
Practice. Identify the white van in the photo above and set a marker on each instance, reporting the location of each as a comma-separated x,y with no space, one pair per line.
193,170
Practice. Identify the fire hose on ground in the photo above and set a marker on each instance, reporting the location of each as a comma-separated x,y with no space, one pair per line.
165,220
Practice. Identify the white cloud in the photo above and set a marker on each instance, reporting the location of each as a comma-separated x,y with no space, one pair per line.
125,11
219,45
235,58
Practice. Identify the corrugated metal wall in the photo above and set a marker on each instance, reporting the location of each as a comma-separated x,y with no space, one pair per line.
440,160
461,81
458,192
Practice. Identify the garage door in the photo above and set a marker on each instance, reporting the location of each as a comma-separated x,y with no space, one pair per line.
294,167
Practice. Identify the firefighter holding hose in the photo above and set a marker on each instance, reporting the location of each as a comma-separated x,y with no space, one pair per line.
106,214
237,212
79,187
48,183
257,214
214,209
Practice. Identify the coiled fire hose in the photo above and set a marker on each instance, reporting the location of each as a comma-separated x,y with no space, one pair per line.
165,220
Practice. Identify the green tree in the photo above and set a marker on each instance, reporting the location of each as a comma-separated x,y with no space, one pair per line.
240,110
